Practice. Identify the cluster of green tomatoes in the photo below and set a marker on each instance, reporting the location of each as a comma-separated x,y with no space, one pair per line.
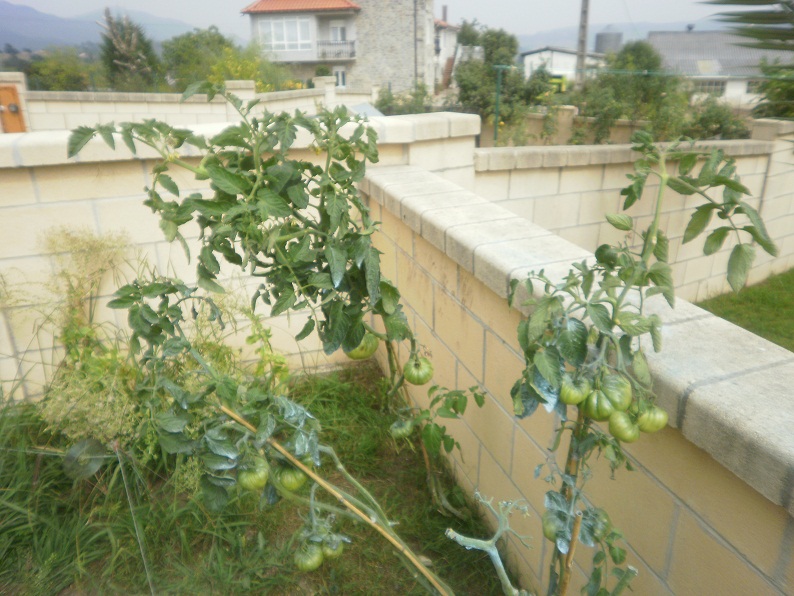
254,477
609,397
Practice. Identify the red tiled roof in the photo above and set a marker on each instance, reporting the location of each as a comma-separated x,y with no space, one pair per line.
261,6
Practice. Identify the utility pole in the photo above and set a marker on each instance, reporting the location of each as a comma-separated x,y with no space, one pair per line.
581,49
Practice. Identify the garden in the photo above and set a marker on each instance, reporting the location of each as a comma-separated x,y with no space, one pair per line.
162,459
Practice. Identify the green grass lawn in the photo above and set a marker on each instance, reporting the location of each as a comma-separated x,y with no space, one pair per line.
766,309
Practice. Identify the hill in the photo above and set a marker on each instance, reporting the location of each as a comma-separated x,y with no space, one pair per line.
26,28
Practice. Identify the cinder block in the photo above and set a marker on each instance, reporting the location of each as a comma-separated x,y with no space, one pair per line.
17,185
462,334
696,550
534,183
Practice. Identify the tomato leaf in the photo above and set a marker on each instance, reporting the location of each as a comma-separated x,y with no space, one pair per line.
572,342
739,264
715,240
759,232
337,262
620,221
79,139
547,363
698,222
599,315
307,329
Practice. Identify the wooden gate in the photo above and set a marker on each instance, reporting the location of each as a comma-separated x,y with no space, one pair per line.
11,110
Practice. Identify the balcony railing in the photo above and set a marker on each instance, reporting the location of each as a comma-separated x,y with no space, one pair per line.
336,50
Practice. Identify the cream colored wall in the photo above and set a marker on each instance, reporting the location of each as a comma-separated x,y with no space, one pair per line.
694,525
569,189
65,110
102,191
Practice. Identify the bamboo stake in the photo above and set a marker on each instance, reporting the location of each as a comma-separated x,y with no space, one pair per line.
342,499
577,523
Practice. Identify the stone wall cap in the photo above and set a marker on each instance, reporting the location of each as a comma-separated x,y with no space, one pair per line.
510,158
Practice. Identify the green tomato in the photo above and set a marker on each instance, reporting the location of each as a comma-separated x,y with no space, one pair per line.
333,549
622,427
552,525
597,406
573,392
652,419
365,349
254,478
418,371
309,557
402,428
292,479
618,390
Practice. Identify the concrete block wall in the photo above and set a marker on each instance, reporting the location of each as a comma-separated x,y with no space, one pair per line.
568,190
708,509
101,191
65,110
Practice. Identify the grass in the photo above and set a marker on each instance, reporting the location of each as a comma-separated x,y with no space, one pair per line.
765,309
80,537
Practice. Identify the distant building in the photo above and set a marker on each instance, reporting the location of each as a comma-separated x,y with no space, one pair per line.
364,43
715,62
608,42
560,62
446,42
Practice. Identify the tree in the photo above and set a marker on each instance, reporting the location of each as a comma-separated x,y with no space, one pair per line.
476,80
469,34
634,87
770,28
62,69
128,55
248,64
189,57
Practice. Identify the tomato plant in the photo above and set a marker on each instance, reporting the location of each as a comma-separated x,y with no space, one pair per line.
585,344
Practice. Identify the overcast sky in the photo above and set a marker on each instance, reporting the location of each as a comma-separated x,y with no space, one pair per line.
516,16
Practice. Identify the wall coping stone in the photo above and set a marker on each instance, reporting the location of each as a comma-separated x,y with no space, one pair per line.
48,148
727,390
544,156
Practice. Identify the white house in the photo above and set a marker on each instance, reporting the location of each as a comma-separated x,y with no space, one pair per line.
715,62
446,42
560,62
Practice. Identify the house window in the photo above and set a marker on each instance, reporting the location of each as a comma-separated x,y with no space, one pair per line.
338,31
282,34
715,88
341,76
754,86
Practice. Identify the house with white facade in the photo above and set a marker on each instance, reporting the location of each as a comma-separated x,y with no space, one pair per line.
559,62
446,42
715,62
363,43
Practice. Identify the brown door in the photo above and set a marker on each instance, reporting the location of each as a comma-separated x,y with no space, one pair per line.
11,110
